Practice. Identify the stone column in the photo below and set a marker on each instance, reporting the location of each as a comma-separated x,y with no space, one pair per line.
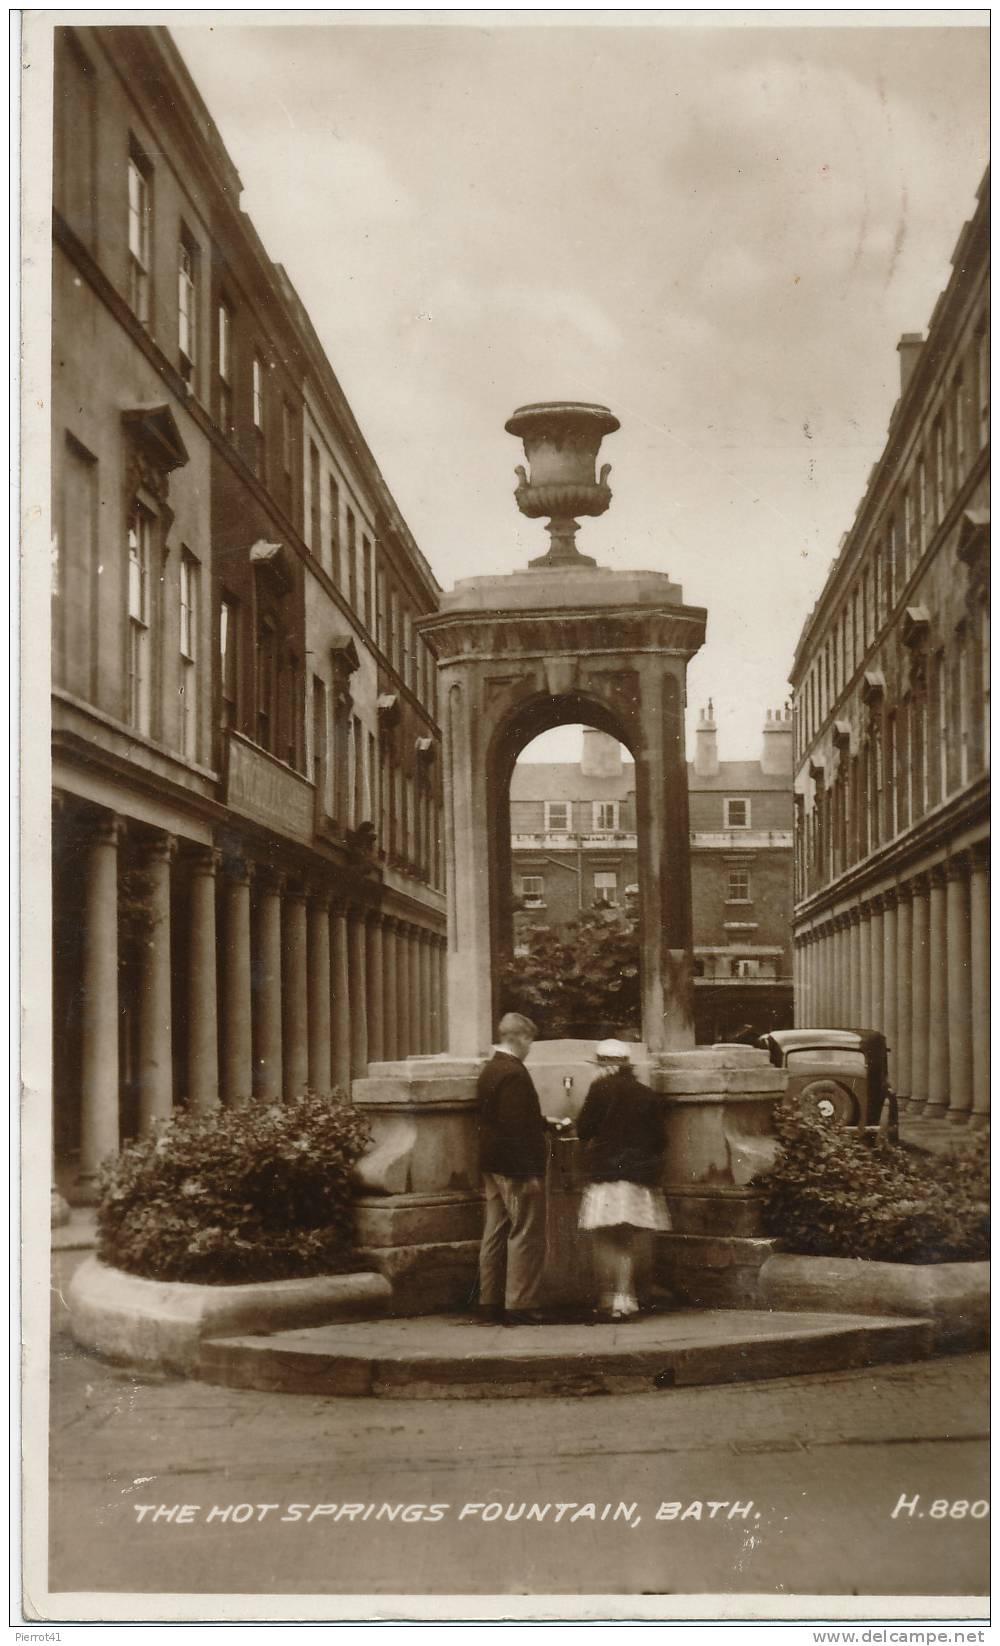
390,991
829,976
405,1043
357,985
937,1016
203,1028
376,1002
442,990
877,964
294,995
864,965
318,971
959,991
267,989
920,990
156,1072
903,1082
237,1042
889,979
99,1054
437,1039
414,1012
842,1009
854,968
979,922
341,1002
426,1003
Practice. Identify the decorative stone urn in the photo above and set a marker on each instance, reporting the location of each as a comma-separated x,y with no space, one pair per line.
561,442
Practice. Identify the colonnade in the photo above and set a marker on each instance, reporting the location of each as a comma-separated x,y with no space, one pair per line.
289,988
912,960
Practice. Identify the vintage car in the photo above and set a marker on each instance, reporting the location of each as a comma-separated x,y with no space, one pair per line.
840,1075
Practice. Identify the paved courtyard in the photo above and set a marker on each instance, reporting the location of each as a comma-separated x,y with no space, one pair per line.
786,1486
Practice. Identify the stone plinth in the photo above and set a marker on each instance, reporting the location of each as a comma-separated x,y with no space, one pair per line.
419,1210
719,1133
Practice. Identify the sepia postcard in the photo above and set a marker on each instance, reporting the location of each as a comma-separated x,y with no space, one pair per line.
504,795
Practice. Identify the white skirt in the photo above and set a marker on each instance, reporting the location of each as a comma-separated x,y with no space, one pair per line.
607,1204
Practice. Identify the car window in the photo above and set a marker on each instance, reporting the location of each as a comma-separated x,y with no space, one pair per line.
827,1054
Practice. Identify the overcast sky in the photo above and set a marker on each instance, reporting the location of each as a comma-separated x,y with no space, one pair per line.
719,232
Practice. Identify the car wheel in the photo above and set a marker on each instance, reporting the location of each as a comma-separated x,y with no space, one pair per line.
826,1100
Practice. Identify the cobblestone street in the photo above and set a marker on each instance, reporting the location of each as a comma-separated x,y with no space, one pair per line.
823,1460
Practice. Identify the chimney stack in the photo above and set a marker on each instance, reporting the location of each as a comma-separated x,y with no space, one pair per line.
602,754
776,745
909,346
706,749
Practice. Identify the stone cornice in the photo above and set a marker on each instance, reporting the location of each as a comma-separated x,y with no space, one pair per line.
456,637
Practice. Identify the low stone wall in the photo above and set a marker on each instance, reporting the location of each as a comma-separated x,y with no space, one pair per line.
955,1297
162,1323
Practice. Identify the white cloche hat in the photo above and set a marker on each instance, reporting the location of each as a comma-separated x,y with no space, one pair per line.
612,1051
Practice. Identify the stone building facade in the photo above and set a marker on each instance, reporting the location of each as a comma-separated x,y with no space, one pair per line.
891,717
247,891
574,844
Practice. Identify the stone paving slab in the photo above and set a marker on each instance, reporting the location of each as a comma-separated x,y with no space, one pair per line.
445,1357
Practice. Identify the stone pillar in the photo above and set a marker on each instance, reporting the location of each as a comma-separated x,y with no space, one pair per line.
156,1070
443,1029
903,1082
405,1044
390,991
99,1053
267,989
426,1003
341,1002
437,1038
855,1019
413,937
376,1003
937,1016
865,967
357,984
959,991
889,979
979,922
877,964
203,1028
294,995
842,1009
318,971
920,990
829,976
237,1042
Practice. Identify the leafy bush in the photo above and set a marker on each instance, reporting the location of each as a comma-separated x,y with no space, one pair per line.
254,1193
579,981
832,1193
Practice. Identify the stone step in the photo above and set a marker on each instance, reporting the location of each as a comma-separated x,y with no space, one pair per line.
444,1357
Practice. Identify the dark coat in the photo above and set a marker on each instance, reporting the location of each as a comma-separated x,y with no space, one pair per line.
621,1123
511,1127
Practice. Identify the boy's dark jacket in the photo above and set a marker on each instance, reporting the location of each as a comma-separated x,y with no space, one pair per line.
621,1123
511,1127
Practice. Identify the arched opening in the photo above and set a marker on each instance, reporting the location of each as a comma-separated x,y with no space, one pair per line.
574,957
564,871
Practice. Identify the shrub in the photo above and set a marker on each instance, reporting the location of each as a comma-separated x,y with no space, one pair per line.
581,980
255,1193
832,1193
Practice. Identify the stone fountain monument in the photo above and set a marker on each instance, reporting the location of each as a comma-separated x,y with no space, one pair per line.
561,642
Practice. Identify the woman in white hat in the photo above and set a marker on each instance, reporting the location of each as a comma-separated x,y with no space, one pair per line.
621,1123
